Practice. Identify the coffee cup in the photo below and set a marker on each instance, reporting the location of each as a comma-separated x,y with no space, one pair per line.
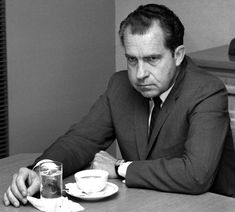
92,180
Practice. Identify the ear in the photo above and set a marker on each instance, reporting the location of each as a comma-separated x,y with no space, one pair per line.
179,54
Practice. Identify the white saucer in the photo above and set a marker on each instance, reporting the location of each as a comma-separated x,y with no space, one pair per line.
73,190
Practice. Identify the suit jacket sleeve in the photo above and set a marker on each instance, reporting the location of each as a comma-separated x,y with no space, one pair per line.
78,146
194,170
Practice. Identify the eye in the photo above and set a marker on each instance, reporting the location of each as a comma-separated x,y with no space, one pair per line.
131,60
152,59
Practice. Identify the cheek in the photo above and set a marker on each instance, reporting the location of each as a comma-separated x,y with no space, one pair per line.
131,75
166,75
169,78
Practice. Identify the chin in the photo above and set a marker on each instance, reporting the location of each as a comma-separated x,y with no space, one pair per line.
148,94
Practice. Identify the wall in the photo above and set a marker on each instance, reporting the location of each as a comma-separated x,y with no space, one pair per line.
60,56
207,23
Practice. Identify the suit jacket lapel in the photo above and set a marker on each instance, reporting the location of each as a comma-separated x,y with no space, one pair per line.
166,109
141,124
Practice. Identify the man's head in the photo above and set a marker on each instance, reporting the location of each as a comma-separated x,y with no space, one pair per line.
152,37
143,17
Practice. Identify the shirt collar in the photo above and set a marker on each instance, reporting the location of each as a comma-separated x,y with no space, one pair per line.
165,94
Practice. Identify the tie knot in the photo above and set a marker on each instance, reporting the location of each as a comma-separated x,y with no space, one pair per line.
157,101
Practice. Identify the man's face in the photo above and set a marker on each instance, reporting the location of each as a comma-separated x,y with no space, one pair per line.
151,66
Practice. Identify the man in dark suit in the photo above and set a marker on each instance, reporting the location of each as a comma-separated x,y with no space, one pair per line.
170,119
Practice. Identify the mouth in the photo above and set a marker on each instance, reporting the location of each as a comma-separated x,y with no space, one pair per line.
145,87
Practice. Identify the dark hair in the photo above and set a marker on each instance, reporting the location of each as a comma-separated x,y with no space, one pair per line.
143,17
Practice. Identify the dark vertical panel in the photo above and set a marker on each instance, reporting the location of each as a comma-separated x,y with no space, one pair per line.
4,146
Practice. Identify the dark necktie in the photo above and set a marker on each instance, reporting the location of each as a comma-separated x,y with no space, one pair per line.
157,103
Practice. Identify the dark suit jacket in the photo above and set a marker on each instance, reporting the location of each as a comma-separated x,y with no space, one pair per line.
185,148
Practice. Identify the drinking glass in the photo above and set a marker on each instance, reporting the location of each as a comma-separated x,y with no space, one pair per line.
51,179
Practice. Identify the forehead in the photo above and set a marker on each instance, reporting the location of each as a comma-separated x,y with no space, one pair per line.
151,42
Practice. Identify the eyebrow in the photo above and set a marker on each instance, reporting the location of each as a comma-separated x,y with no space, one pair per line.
127,55
147,56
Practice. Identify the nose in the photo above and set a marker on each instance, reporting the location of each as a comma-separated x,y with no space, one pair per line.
141,71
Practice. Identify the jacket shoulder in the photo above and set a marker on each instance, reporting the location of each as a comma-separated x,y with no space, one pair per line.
199,76
120,75
119,80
